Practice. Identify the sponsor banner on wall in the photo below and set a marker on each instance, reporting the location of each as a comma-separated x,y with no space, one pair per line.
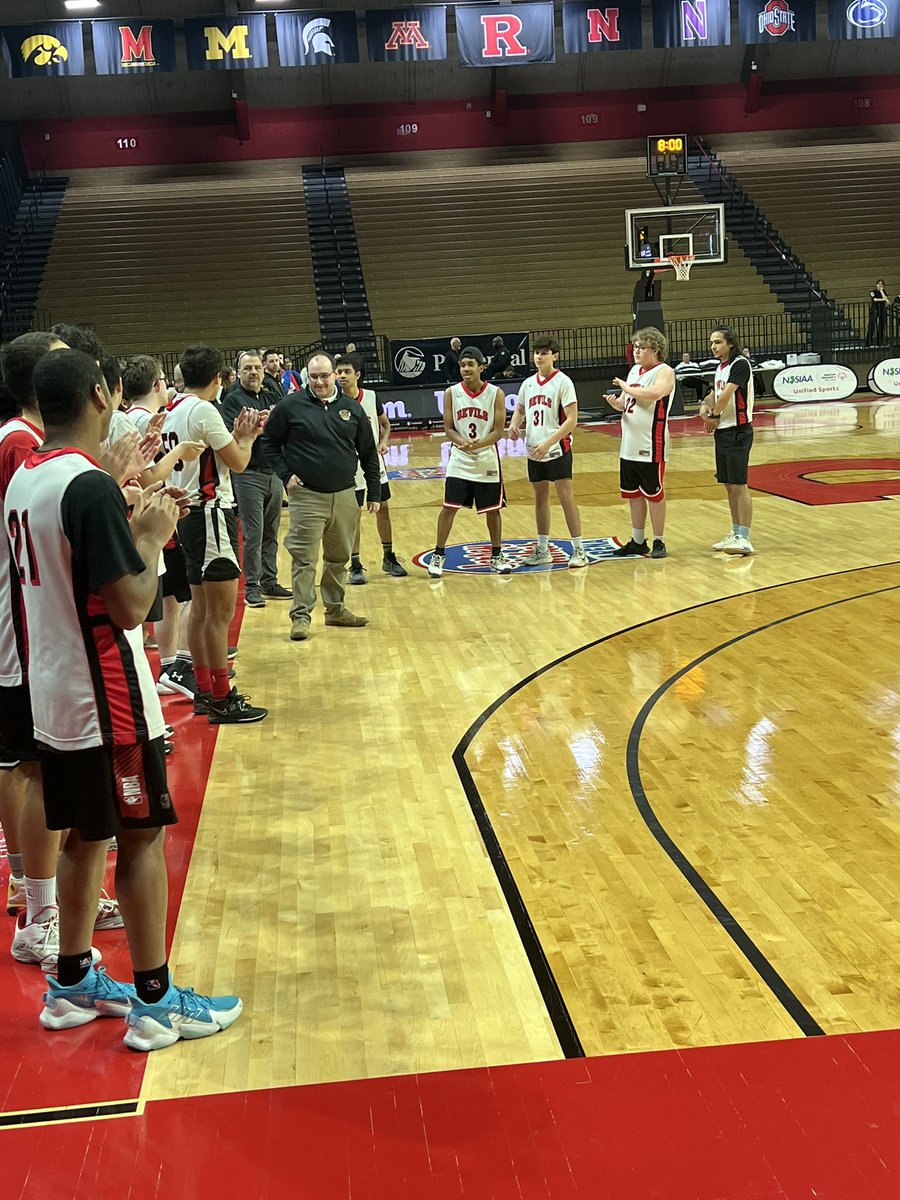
589,27
424,360
884,377
492,35
777,21
858,20
823,382
688,23
50,48
406,34
133,47
225,43
314,38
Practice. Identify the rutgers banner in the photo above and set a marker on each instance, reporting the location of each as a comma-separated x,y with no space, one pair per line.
588,27
778,21
863,19
223,43
311,39
51,48
689,23
133,47
406,34
492,35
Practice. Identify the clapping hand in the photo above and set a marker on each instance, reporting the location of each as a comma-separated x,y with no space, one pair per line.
122,458
247,424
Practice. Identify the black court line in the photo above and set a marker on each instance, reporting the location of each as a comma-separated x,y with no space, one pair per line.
122,1108
561,1018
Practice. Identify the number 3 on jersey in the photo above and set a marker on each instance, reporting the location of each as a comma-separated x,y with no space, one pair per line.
20,536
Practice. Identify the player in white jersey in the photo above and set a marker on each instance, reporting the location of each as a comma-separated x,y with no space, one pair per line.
349,374
88,576
474,421
644,402
144,393
548,409
729,415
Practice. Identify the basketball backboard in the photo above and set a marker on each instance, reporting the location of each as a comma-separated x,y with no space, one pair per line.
652,234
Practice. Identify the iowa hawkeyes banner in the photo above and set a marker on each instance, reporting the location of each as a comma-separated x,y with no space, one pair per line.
863,19
406,34
588,27
223,43
51,48
493,35
309,39
133,47
778,21
689,23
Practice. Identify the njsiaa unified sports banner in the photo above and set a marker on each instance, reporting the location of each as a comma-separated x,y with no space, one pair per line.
49,48
133,47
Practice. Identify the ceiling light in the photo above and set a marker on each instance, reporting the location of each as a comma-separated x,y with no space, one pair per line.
81,5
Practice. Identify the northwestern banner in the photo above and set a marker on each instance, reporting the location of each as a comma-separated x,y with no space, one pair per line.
133,47
858,20
423,361
225,43
50,48
689,23
490,35
589,27
309,39
777,21
406,34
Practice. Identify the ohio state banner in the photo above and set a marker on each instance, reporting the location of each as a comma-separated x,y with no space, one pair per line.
590,27
406,34
496,35
133,47
226,43
313,38
48,48
860,20
777,21
689,23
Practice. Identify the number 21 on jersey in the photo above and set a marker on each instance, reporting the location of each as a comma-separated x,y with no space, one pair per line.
20,536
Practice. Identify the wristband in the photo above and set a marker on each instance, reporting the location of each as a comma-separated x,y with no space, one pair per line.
711,416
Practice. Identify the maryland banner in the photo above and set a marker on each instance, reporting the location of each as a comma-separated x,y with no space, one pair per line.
50,48
688,23
492,35
133,47
777,21
406,34
226,43
863,19
309,39
589,27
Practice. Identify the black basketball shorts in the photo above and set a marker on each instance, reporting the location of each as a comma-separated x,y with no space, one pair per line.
641,479
17,743
733,453
551,469
209,538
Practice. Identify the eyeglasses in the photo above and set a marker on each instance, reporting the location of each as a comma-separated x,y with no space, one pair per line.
322,377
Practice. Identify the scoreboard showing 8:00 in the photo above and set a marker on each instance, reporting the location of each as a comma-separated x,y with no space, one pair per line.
667,154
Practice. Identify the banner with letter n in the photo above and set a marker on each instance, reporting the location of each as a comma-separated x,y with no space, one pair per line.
50,48
590,27
777,21
133,47
861,20
494,35
314,38
406,34
225,43
684,24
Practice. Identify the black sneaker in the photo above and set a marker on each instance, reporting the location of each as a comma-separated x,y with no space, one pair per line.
659,549
201,703
632,548
232,652
234,710
253,598
393,566
357,574
277,592
180,678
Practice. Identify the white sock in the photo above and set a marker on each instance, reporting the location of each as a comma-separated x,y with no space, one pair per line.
576,543
39,894
16,866
543,542
638,535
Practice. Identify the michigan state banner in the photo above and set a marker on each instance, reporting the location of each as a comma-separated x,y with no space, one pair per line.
50,48
862,20
312,39
133,47
767,21
679,24
406,34
591,27
505,36
226,43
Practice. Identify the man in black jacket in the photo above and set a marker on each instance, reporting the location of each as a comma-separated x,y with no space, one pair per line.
313,441
501,359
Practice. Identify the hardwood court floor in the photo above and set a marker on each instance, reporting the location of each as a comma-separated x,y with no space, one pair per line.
339,881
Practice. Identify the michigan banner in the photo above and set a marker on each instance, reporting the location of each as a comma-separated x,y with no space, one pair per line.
223,44
51,48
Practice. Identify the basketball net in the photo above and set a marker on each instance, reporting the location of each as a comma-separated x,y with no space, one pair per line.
682,264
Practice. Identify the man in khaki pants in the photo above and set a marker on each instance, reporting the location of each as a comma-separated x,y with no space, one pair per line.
313,441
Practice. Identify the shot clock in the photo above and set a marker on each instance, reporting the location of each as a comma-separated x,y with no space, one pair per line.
667,154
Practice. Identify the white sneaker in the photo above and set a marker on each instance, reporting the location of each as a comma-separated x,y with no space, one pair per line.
537,558
436,566
725,542
164,688
38,941
501,565
579,558
739,545
108,915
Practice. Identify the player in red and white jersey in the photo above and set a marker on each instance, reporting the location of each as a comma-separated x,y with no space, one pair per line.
730,417
144,393
474,421
349,371
548,409
644,402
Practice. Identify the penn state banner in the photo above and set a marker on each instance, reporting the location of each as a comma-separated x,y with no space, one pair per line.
406,34
494,35
777,21
590,27
688,23
861,20
49,48
225,43
310,39
133,47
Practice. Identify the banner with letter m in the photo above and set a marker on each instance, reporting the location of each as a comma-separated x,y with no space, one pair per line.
226,43
588,27
406,34
689,23
50,48
133,47
497,35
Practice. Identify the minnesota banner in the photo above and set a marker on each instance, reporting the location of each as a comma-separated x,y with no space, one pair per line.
492,35
133,47
309,39
689,23
50,48
406,34
861,20
226,43
589,27
777,21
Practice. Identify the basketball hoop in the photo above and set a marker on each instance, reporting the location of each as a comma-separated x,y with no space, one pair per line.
682,264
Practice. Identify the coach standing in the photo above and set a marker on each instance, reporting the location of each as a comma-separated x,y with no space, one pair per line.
313,441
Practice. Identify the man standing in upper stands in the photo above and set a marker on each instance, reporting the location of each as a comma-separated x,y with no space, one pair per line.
271,380
452,360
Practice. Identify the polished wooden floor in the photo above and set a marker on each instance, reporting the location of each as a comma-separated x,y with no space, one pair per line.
693,781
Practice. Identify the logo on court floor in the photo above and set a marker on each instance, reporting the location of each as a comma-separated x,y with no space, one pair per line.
474,558
418,473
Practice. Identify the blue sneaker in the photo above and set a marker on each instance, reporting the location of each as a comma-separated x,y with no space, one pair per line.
180,1014
97,995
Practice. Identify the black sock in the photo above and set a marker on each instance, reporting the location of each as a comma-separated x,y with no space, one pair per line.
388,548
495,551
354,560
151,986
72,968
442,550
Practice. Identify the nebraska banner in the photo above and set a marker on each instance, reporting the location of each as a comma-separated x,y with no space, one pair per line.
133,47
224,43
588,27
861,20
406,34
50,48
689,23
778,21
516,35
314,38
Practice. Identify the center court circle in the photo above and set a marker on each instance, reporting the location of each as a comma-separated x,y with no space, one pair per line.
474,558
